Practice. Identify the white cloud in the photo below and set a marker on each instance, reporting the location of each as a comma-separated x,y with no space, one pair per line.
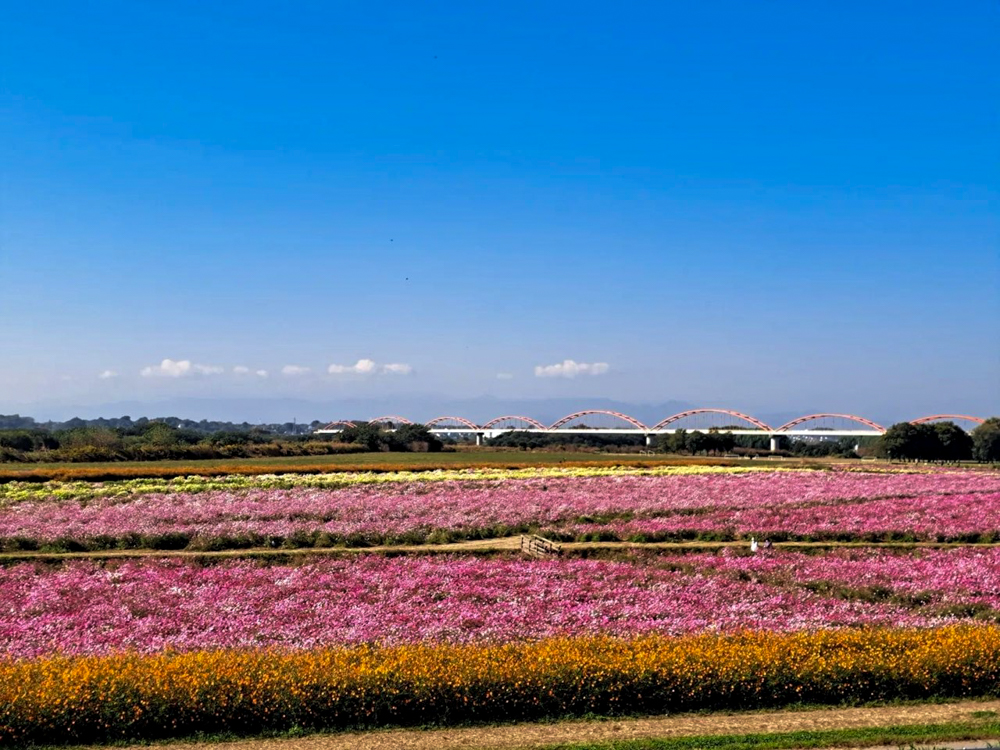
397,369
570,369
368,366
295,370
169,368
504,376
108,375
244,370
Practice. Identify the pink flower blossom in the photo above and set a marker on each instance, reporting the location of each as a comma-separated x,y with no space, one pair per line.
155,605
818,504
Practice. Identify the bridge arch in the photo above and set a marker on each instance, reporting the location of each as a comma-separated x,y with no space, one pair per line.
527,420
390,419
728,412
852,417
948,417
460,420
339,424
618,415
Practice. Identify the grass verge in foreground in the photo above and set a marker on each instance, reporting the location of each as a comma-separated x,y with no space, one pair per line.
899,736
135,697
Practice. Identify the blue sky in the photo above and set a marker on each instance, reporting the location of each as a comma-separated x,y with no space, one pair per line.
764,206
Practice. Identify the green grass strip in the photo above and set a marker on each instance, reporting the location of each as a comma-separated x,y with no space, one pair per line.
901,736
898,736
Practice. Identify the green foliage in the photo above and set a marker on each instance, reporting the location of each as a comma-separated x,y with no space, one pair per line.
955,444
152,441
713,441
986,440
416,437
158,433
698,442
944,441
404,438
90,437
896,736
229,437
20,440
678,442
372,436
843,447
533,440
905,441
127,426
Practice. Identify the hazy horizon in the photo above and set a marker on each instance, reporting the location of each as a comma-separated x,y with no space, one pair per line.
419,409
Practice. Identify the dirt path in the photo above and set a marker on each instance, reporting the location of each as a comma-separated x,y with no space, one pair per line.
523,736
505,544
499,545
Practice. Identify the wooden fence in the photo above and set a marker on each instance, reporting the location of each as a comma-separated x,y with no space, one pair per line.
539,546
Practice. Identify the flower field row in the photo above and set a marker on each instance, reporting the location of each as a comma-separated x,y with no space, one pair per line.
629,506
959,579
15,491
131,696
971,517
159,605
387,463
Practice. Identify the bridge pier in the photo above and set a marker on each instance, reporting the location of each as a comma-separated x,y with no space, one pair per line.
479,438
774,443
649,440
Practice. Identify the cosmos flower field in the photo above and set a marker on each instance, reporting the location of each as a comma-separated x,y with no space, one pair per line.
895,594
567,505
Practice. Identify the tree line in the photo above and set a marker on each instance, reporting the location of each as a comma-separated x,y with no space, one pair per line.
941,441
399,438
904,441
156,441
204,426
524,440
153,440
145,439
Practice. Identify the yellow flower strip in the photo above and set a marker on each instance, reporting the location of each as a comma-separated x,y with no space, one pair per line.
14,492
102,698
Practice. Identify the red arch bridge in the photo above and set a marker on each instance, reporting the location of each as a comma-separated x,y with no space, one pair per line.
604,422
